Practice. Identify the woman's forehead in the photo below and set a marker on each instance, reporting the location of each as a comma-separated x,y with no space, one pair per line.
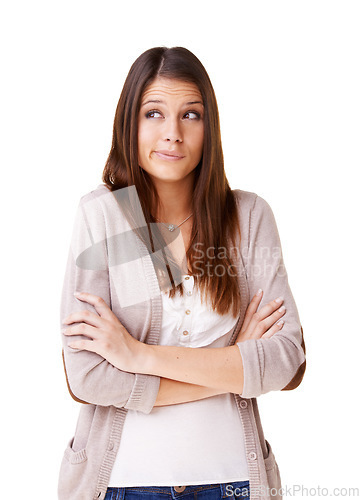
171,87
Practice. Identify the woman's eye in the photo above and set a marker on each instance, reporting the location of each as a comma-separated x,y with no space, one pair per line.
195,116
150,114
192,115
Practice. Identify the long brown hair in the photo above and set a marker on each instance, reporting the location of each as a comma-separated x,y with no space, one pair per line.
215,221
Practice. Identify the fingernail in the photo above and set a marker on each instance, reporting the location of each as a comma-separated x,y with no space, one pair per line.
282,308
279,299
259,291
77,294
280,323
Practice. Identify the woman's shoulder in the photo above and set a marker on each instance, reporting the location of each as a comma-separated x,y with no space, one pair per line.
100,190
244,199
250,201
252,208
96,205
105,207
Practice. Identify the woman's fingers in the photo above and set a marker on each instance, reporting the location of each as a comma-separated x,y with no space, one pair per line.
82,329
101,307
261,321
250,311
85,316
274,329
99,304
87,345
273,318
252,308
269,308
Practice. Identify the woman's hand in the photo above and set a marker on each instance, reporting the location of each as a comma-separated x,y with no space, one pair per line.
106,335
262,323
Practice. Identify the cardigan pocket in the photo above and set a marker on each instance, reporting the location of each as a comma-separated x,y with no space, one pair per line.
272,474
74,457
74,480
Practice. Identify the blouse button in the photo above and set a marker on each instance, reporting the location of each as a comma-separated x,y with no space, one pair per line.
188,311
189,293
185,332
187,277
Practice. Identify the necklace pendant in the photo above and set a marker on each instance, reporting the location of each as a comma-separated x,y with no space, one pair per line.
171,227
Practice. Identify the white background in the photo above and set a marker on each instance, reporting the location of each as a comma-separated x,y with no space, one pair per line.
286,76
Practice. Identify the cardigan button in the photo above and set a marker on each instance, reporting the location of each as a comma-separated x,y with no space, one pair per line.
111,446
243,403
252,455
179,489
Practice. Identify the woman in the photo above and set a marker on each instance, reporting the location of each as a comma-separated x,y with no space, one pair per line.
171,260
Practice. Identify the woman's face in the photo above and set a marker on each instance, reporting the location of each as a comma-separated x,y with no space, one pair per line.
170,129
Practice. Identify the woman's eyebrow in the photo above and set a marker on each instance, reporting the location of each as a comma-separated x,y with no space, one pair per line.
156,101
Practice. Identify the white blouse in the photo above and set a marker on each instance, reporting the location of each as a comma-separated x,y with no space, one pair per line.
197,442
189,323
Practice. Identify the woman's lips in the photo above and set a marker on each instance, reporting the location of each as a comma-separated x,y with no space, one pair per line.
169,156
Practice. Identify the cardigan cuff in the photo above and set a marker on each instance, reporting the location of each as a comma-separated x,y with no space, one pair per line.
250,354
144,393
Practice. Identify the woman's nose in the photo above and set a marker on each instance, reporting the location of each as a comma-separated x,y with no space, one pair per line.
173,131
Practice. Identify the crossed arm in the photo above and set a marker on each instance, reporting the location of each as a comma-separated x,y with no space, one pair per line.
215,368
173,392
187,374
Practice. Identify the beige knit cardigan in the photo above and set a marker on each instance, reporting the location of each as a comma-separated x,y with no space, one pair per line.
132,291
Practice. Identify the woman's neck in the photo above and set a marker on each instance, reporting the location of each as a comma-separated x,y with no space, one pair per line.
176,201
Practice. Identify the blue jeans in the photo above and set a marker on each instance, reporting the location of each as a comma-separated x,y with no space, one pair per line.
239,490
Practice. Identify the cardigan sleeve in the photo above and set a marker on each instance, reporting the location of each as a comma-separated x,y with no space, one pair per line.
270,364
90,377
